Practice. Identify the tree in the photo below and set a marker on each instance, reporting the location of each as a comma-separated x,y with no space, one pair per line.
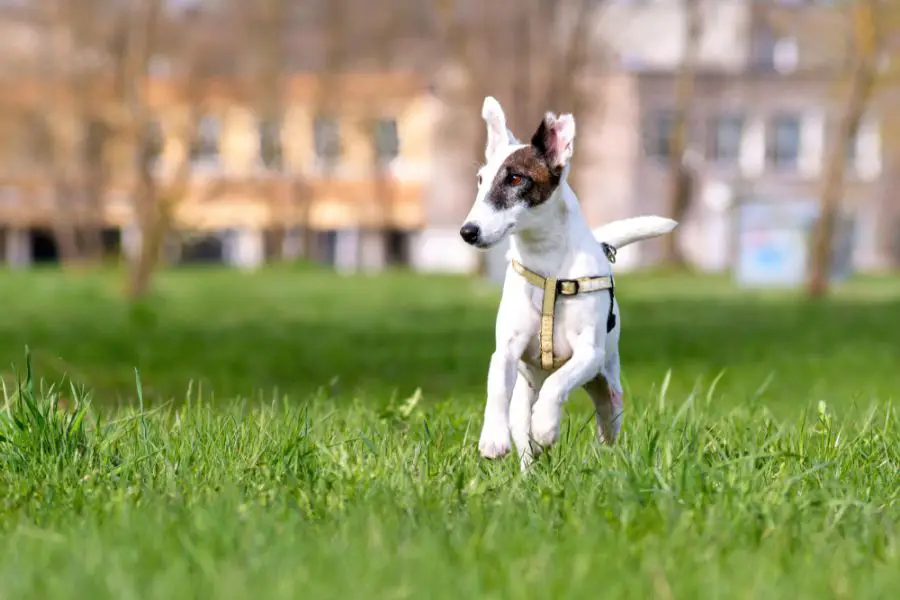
380,131
73,154
865,23
327,104
682,174
155,197
266,26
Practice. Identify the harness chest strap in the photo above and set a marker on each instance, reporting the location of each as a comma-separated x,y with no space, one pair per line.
554,287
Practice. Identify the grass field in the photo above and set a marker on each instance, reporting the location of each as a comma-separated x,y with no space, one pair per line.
306,435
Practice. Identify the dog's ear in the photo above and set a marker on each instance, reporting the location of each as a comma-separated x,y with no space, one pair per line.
495,119
554,139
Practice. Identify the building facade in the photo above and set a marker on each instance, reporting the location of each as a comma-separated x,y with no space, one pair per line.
352,176
381,169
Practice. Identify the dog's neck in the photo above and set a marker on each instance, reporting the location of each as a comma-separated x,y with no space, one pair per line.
558,230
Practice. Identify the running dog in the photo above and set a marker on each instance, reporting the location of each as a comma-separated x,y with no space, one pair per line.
558,322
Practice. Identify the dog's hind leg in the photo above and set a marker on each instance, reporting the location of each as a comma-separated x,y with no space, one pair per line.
607,398
523,397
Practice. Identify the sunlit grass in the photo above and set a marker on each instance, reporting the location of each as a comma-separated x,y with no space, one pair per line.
305,435
274,500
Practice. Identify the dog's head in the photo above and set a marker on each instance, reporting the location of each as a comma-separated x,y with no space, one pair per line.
516,179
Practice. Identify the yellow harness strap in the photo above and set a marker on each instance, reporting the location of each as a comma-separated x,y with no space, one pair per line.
554,287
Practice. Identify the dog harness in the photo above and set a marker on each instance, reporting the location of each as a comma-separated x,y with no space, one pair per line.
553,288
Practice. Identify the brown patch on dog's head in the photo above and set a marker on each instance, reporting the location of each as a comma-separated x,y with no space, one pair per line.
531,174
524,177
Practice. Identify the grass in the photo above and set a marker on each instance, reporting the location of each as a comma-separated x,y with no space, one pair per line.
296,434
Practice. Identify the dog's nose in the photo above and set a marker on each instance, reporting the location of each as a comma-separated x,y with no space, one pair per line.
470,233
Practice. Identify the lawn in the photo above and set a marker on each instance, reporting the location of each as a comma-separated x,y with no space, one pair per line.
308,435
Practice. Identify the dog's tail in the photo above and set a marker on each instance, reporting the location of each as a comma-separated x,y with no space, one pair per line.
627,231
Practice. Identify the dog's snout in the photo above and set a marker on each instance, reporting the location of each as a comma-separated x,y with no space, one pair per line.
470,232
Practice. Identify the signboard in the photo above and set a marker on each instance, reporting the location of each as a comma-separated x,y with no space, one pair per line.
774,240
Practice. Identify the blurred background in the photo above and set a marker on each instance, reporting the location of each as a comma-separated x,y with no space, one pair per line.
347,133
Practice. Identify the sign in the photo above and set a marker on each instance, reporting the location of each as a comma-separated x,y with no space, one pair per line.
774,242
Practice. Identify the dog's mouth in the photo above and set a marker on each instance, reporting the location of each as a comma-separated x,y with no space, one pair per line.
487,245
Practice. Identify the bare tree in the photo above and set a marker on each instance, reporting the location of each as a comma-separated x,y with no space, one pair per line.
505,53
155,195
377,126
267,25
64,117
682,175
866,36
327,107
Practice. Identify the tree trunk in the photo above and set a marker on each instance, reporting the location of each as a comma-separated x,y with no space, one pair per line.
833,187
862,83
680,196
152,233
141,273
93,185
304,194
680,178
64,224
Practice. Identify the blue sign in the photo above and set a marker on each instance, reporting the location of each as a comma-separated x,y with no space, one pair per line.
774,242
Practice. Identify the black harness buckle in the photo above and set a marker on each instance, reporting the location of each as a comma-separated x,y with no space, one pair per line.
610,252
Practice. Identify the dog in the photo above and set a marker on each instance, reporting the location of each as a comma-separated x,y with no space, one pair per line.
558,323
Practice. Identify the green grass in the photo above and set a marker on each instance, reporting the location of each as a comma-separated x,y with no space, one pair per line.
306,435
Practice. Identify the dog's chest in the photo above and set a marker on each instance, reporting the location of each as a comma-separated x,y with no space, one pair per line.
567,314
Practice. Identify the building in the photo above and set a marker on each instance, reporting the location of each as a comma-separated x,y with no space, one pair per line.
386,175
764,118
354,179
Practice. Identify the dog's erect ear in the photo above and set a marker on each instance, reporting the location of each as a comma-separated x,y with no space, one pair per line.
497,136
554,138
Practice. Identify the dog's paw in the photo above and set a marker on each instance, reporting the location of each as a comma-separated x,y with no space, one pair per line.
494,442
545,421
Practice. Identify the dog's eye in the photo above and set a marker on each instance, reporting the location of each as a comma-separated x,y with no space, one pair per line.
514,179
479,179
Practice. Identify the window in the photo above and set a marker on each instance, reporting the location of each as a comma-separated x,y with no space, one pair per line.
327,134
206,141
397,247
863,150
658,133
270,150
725,136
783,142
387,141
762,45
771,52
785,55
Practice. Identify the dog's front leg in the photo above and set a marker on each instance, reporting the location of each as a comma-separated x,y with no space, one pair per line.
495,441
547,413
523,397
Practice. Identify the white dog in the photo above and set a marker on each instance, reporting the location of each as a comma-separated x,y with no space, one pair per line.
557,324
